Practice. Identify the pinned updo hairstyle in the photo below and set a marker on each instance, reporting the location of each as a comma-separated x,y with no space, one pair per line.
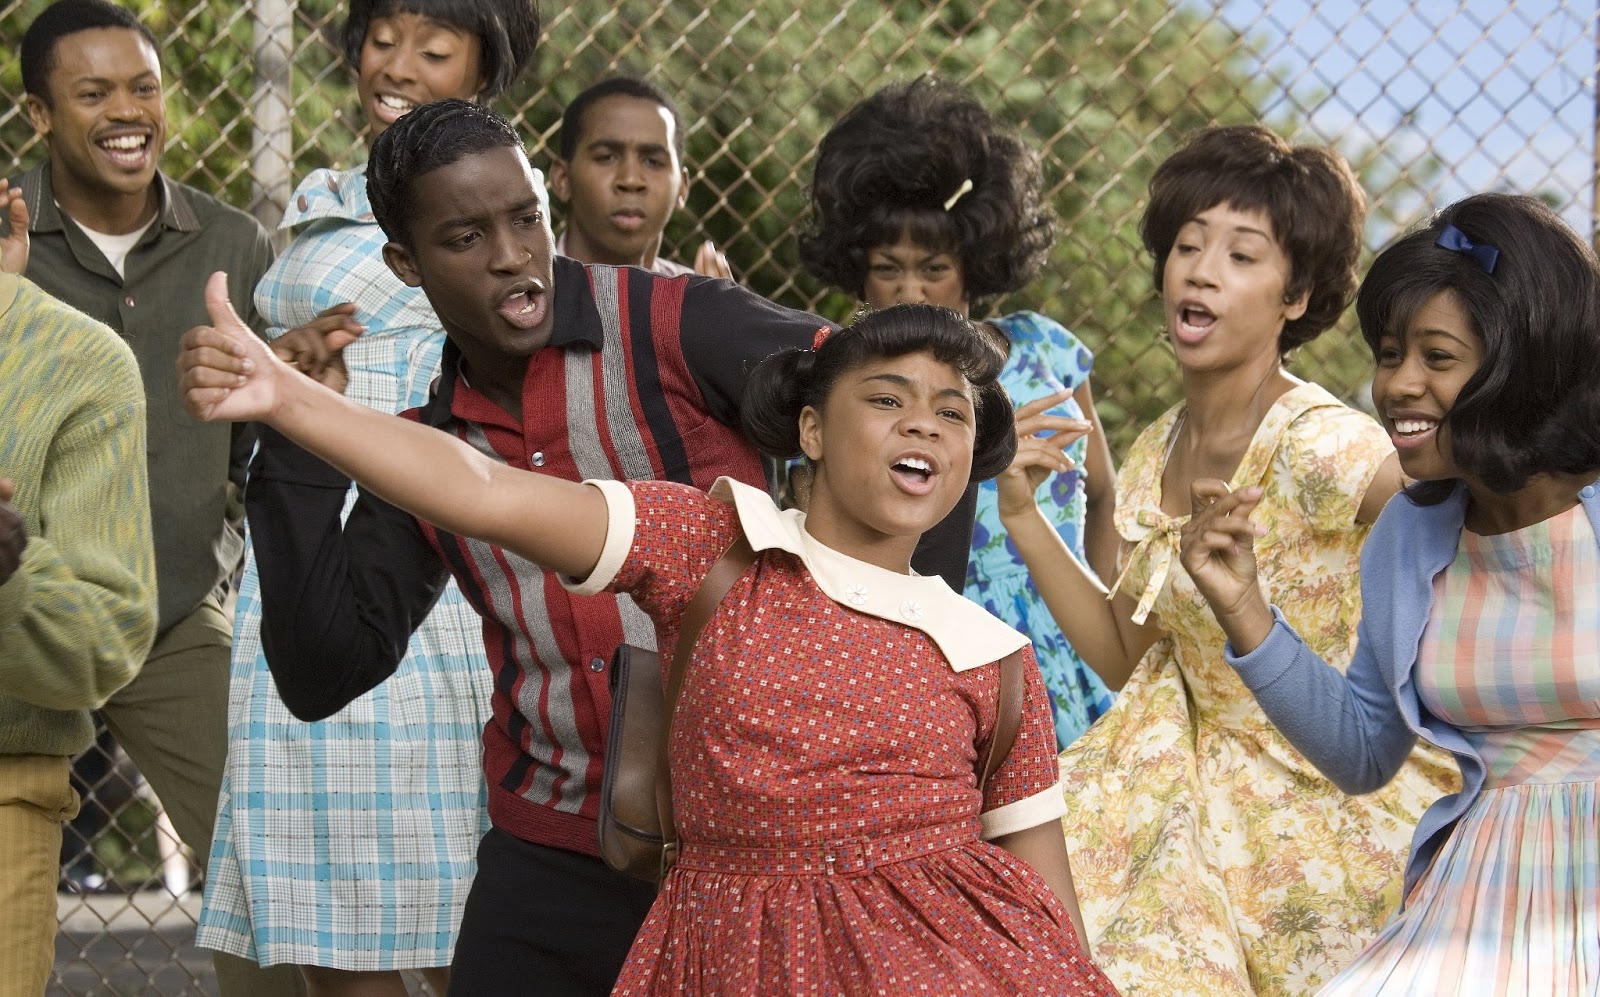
785,383
890,165
1533,406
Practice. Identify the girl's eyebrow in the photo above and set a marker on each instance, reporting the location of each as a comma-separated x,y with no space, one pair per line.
901,381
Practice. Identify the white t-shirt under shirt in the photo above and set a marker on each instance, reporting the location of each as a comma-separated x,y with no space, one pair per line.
115,247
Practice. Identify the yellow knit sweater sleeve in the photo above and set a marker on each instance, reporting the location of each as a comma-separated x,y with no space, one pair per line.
78,616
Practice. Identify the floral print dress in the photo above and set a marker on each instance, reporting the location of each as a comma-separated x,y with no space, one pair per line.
1209,856
1045,358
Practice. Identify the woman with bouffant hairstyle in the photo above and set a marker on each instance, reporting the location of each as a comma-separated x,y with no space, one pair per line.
920,194
1211,857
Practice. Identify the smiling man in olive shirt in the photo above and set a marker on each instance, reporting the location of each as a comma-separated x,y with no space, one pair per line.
114,238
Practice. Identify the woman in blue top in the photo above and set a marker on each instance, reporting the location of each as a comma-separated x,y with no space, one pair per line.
1481,584
346,847
920,195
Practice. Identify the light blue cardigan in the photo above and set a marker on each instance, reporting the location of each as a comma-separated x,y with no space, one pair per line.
1358,728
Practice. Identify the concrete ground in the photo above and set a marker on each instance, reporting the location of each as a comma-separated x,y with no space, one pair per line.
137,945
132,944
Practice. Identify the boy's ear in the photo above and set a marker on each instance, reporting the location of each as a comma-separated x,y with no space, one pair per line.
811,433
683,187
560,182
401,264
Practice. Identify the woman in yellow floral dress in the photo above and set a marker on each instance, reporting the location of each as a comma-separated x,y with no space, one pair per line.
1210,857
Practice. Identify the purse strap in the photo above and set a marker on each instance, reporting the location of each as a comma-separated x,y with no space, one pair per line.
1008,716
707,597
713,588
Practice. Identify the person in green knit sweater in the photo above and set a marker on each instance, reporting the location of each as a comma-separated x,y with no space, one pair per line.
77,581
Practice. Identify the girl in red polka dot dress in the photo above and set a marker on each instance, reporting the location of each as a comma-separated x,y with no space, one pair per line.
832,835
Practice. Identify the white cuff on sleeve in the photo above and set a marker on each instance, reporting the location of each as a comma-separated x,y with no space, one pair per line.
620,519
1040,808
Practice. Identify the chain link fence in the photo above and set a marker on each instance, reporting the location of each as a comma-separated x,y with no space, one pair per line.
1428,101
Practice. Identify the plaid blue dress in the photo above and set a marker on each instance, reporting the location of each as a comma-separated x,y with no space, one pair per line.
350,843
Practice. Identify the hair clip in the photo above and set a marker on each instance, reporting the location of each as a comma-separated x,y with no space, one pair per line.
961,191
821,337
1455,240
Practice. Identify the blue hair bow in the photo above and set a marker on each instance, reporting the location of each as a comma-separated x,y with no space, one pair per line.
1455,240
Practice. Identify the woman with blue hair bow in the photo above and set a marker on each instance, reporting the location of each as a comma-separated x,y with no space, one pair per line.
1482,593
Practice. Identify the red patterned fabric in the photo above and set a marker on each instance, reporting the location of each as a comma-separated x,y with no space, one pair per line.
835,740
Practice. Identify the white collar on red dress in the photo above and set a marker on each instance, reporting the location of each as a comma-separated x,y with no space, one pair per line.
967,634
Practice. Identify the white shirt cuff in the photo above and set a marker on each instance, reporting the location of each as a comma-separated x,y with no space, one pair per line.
620,520
1040,808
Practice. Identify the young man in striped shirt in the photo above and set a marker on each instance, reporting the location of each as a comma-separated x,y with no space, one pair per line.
620,374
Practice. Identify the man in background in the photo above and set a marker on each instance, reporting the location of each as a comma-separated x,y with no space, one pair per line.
621,176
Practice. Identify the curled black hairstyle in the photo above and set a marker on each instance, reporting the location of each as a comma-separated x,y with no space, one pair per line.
432,136
890,165
507,30
1533,405
1307,191
785,383
617,86
57,21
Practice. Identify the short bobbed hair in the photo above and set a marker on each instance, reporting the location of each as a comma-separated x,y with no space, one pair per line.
890,165
1533,406
425,139
59,20
507,30
1308,192
785,383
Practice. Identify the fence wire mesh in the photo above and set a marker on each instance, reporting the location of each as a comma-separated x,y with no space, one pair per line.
1428,101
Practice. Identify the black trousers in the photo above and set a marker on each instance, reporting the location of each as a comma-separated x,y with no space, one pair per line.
544,921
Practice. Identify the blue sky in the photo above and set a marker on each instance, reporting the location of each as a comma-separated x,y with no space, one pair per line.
1501,92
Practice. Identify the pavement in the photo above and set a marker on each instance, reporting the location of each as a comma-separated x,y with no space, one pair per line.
111,945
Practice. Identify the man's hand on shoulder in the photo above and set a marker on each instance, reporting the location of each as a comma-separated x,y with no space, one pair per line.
13,533
711,262
316,349
14,247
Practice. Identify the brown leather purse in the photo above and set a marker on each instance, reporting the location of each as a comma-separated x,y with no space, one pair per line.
637,832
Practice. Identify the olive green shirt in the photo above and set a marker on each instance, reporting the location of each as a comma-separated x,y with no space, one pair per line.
196,469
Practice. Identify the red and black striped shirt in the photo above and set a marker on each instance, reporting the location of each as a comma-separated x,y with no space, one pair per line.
641,380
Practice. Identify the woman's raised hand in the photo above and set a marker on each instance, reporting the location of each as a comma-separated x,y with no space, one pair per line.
1217,547
316,349
1038,456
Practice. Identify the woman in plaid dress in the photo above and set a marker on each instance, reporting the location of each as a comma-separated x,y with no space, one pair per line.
1482,593
346,846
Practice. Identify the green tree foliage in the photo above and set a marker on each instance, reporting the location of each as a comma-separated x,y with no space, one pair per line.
1107,88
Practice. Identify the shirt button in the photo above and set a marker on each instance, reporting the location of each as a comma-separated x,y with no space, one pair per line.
911,611
302,202
597,664
128,301
538,458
